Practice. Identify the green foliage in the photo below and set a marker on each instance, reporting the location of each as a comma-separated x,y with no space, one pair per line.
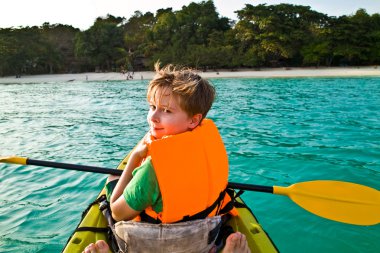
263,36
34,50
276,34
351,38
101,43
59,49
192,36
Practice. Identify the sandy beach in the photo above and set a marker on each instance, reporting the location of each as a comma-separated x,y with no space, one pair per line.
242,73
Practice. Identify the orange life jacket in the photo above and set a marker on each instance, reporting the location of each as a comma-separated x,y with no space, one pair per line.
192,173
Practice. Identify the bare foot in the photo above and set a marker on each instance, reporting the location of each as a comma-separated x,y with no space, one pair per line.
236,243
99,247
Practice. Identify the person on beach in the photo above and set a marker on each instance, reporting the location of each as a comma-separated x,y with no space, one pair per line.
179,100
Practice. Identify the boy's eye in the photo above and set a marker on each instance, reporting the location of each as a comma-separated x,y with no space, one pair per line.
152,107
167,110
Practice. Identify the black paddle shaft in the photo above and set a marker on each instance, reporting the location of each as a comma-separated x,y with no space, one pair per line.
251,187
70,166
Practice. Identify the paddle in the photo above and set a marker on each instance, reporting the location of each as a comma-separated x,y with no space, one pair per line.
335,200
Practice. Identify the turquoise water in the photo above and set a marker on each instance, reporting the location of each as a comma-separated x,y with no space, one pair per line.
277,132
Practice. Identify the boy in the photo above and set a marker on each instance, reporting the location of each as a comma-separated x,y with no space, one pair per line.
179,101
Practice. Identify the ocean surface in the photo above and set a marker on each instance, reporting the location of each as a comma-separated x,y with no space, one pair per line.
276,131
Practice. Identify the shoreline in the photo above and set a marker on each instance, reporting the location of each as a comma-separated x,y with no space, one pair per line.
240,73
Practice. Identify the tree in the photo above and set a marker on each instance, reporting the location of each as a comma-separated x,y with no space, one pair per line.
184,36
101,43
59,50
21,51
374,36
136,31
350,36
276,33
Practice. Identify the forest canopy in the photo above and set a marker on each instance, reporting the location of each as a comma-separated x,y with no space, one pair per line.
281,35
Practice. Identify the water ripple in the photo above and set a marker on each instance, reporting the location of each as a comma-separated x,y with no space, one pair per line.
276,131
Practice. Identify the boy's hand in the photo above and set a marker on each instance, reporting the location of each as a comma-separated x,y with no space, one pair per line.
141,151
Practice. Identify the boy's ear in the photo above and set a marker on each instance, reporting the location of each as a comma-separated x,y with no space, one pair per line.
195,120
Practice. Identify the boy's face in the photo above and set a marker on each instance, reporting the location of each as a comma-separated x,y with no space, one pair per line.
166,117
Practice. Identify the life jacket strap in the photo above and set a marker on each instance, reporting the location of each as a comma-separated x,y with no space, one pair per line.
201,215
147,218
231,204
105,209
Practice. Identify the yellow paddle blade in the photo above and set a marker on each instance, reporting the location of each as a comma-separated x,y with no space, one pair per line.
13,159
335,200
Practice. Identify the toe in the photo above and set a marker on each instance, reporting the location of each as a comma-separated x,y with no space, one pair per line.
102,246
90,248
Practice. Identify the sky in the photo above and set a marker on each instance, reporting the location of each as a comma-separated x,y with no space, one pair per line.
82,13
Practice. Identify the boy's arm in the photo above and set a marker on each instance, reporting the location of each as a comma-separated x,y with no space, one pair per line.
120,209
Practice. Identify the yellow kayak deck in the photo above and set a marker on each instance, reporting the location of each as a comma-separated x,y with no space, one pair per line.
245,222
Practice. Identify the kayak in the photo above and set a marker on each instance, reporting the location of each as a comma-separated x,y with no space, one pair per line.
93,226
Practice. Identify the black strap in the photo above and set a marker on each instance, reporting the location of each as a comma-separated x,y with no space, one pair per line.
103,204
147,218
201,215
96,201
230,205
240,192
234,195
92,229
214,233
105,209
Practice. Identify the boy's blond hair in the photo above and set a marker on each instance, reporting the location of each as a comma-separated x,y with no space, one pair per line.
195,94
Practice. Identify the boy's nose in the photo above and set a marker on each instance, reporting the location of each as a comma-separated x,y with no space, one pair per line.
155,117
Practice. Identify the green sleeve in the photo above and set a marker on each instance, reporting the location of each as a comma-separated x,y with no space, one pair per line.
110,186
143,190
